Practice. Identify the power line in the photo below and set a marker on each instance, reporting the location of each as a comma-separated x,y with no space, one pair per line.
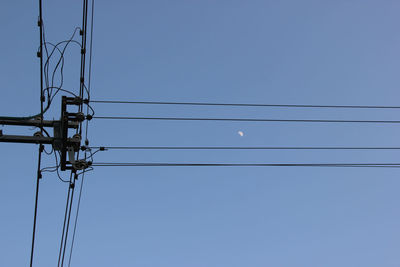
41,147
86,135
68,202
80,109
38,177
76,219
40,24
246,119
133,164
72,186
83,50
91,48
237,148
243,104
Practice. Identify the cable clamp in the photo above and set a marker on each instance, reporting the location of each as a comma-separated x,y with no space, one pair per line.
80,116
76,138
38,134
81,164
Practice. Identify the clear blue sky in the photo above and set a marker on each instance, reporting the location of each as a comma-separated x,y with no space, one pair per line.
282,52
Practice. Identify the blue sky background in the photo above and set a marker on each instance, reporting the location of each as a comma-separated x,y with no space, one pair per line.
280,52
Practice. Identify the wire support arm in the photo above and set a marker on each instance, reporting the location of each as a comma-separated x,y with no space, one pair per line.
35,123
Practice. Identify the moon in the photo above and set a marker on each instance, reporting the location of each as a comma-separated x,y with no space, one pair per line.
240,133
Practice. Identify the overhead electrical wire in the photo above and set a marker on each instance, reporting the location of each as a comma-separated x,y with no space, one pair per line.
44,79
72,186
238,148
41,147
67,217
44,74
83,33
61,48
68,211
147,164
53,90
246,119
83,49
64,224
243,104
60,61
59,65
76,219
86,133
38,177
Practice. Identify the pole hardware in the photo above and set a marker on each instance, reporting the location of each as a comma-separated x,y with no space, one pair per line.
61,141
65,144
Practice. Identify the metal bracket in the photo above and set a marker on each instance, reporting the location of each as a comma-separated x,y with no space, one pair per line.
60,141
76,164
65,144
